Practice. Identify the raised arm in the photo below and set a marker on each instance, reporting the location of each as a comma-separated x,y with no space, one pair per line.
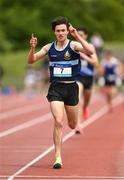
32,56
92,59
83,45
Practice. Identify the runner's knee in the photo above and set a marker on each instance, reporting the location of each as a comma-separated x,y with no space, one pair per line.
72,125
58,123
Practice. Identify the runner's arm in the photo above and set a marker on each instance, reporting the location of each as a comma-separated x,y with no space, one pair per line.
32,56
92,59
82,45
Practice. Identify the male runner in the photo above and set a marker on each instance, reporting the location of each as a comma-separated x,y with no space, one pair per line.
64,62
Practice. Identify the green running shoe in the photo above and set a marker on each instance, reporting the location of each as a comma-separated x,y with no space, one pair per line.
58,163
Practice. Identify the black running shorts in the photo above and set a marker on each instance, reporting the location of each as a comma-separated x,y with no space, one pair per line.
110,83
87,81
66,92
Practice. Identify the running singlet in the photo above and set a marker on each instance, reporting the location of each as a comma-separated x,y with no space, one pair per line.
110,70
86,69
64,65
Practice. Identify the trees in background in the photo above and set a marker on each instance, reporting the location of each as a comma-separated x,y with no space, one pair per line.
18,19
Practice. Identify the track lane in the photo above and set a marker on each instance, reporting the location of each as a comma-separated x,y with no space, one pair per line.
24,133
96,153
27,112
18,100
15,121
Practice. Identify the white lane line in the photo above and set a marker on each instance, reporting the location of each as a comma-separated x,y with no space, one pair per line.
68,177
28,108
25,125
21,110
96,116
101,112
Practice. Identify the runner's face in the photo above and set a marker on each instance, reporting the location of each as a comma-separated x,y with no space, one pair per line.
61,32
82,34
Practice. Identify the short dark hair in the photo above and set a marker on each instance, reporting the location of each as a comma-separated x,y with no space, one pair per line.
59,21
83,29
108,51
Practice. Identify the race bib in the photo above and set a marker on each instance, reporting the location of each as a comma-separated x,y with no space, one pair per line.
62,71
83,65
111,77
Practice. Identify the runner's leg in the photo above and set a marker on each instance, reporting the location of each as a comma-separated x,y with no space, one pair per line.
72,115
57,109
80,85
87,95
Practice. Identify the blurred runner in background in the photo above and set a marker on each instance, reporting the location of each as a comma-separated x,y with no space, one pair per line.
85,80
29,81
111,71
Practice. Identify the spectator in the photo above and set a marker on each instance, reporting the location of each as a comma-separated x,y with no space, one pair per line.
97,41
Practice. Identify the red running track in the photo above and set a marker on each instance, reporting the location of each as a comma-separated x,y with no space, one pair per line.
26,145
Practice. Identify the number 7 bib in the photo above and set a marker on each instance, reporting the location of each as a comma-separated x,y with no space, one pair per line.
62,72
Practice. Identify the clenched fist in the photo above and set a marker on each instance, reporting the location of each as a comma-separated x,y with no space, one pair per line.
33,41
72,30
